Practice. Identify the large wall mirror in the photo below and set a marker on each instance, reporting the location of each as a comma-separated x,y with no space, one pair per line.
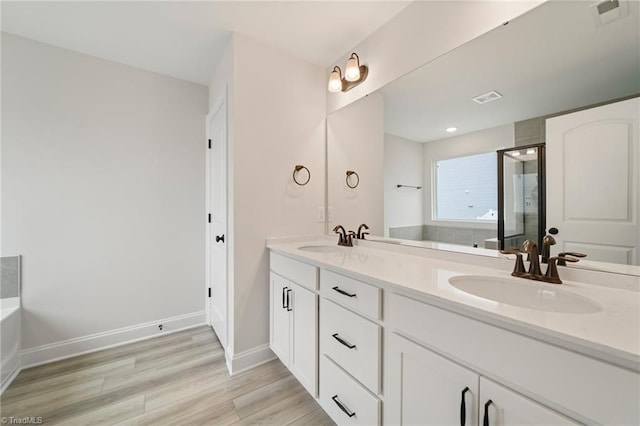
563,78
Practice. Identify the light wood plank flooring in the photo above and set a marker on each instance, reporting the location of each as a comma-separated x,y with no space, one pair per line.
177,379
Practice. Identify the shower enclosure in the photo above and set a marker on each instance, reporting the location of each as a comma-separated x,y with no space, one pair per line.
521,195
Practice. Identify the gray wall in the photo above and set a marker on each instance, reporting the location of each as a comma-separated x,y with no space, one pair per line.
103,175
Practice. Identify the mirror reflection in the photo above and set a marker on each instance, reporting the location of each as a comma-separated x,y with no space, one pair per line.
561,77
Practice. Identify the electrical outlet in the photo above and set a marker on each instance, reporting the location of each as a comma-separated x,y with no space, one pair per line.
320,214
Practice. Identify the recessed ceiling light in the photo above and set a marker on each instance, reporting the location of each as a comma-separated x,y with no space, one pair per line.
451,129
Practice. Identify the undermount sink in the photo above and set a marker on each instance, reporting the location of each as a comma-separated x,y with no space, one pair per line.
526,294
321,249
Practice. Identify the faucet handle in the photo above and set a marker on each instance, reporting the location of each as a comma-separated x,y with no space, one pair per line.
552,275
562,257
518,269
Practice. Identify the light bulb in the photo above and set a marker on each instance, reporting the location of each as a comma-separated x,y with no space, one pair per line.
335,80
531,151
515,153
352,72
451,129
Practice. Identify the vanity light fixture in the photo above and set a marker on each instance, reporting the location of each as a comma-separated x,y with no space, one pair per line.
335,80
451,129
354,74
515,153
531,151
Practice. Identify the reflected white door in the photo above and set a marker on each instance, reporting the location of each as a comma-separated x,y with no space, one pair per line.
592,182
217,235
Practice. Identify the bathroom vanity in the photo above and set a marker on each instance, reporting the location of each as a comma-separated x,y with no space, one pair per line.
382,334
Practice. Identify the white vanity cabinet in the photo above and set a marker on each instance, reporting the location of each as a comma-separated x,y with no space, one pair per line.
428,389
545,379
425,388
500,406
351,349
378,351
293,327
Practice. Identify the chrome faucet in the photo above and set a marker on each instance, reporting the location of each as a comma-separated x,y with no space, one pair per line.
344,239
360,235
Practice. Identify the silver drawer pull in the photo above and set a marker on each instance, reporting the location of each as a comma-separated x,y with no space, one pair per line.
342,407
344,342
339,290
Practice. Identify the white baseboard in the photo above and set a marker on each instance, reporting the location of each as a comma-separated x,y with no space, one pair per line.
95,342
245,360
9,379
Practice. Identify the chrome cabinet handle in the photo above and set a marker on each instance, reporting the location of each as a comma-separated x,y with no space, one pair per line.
339,290
344,342
342,407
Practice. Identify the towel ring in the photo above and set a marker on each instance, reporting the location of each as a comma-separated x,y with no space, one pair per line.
349,173
296,170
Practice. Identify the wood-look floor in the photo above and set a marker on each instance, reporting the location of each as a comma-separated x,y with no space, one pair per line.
177,379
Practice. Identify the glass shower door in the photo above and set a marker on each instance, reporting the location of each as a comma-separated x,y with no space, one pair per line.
521,186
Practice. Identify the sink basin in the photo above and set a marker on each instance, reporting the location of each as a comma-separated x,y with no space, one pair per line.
524,293
321,249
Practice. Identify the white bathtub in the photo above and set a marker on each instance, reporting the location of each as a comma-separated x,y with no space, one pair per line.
10,340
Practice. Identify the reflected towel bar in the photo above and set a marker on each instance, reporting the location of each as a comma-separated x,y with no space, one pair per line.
409,186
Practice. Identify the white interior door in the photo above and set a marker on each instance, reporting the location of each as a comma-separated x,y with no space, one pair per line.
592,182
217,236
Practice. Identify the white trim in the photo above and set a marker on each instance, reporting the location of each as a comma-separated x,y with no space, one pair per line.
94,342
9,379
246,360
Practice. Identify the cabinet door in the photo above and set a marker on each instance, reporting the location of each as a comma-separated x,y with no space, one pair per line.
510,408
427,389
304,337
279,318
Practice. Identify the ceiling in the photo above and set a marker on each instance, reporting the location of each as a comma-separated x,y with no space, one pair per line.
552,59
186,39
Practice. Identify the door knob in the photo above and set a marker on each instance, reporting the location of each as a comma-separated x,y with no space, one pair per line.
553,231
219,238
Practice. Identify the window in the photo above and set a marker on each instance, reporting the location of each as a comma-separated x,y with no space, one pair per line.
467,188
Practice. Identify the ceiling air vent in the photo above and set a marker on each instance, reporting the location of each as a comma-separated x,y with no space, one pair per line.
487,97
608,11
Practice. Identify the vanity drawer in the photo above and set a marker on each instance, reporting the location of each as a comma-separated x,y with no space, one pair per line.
352,342
359,406
353,294
299,272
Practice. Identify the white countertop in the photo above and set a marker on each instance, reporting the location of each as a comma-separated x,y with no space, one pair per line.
613,334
